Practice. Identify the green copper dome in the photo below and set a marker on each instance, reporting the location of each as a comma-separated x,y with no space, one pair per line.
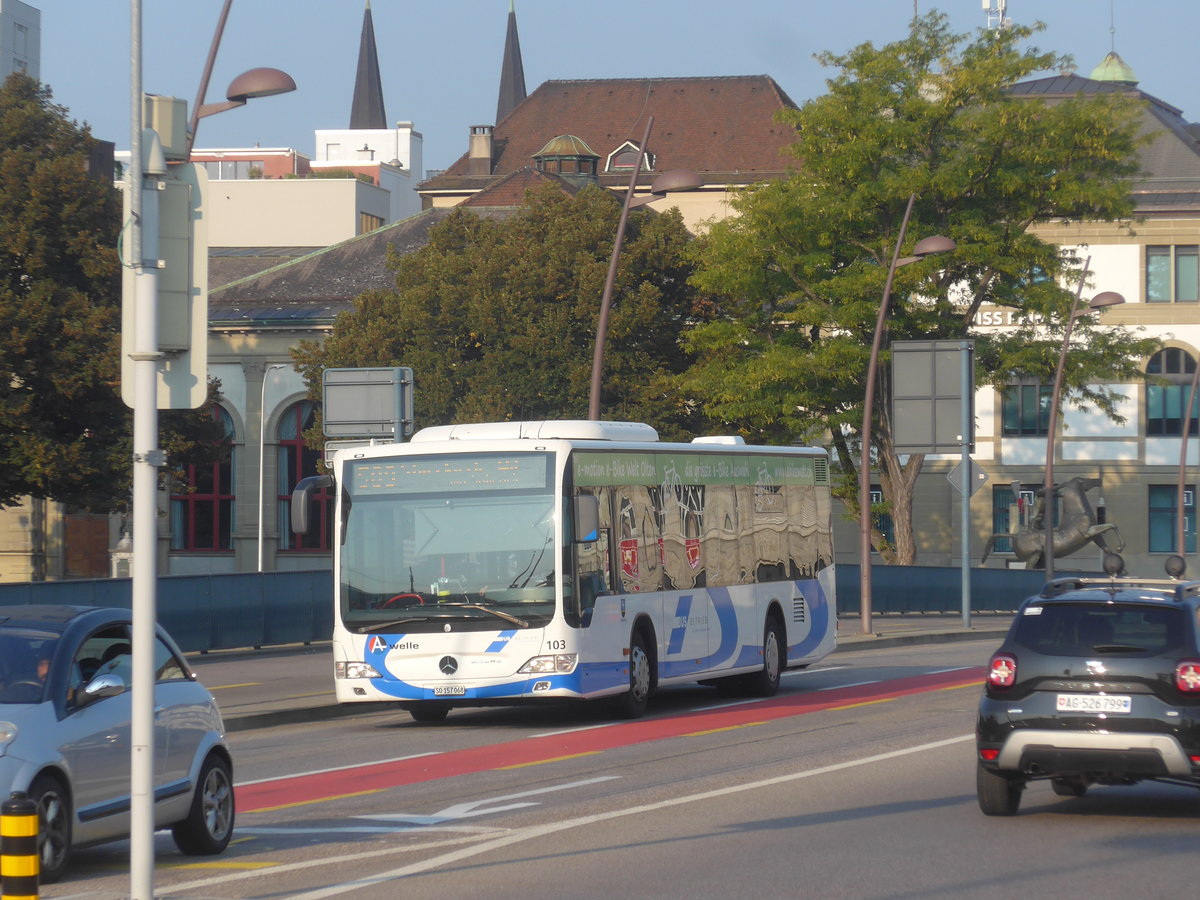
1113,68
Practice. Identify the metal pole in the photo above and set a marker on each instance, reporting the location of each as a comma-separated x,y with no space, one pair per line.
146,459
1052,427
864,466
964,352
1181,518
204,77
610,280
262,453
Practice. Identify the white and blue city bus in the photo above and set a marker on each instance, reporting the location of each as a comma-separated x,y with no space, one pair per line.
519,561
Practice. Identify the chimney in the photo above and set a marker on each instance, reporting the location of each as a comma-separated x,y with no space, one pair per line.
479,154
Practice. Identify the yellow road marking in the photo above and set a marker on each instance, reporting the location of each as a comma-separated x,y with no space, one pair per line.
863,703
552,759
221,687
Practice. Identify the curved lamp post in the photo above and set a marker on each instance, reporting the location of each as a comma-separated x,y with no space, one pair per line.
674,180
923,248
1108,298
261,82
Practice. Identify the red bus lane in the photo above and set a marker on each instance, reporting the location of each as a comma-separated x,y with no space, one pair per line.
319,786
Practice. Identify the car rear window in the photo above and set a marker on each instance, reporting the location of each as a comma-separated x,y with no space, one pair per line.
1073,629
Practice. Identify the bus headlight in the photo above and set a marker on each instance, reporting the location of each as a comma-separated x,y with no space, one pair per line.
354,670
8,734
548,665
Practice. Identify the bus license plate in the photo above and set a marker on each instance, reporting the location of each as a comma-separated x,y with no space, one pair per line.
1094,703
450,690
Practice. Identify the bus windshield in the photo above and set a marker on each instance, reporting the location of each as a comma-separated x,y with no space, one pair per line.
440,538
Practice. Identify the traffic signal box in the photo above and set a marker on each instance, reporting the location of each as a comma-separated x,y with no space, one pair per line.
181,265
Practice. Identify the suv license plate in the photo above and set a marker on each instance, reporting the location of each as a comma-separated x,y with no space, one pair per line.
450,690
1094,703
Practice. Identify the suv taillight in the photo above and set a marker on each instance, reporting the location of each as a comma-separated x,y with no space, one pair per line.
1187,676
1002,671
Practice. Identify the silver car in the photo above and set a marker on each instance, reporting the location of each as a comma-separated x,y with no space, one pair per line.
65,734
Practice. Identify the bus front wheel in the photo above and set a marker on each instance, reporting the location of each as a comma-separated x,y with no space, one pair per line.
632,704
430,712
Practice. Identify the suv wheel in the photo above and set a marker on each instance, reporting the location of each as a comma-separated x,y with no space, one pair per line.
998,795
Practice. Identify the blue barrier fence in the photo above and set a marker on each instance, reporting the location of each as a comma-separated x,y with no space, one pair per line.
222,612
210,612
938,589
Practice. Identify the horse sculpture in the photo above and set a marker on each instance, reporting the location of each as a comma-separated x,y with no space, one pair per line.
1076,527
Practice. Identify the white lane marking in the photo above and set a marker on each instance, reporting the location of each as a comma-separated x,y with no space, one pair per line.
951,669
838,687
812,670
537,831
472,808
377,762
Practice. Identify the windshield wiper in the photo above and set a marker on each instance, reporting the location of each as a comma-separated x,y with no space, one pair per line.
1118,648
521,623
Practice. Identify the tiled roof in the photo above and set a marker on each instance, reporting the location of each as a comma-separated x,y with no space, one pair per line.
510,190
317,286
723,128
1170,159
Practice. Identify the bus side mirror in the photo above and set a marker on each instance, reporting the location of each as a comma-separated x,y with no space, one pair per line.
304,489
587,518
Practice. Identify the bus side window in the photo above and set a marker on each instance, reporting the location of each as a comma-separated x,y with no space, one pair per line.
591,560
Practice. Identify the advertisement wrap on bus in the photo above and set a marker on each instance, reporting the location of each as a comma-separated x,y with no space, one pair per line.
522,561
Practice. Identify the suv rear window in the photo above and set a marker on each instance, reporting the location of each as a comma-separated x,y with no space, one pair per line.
1075,629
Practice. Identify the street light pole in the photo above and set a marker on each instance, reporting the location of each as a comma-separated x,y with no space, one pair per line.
673,180
1108,298
610,279
935,244
262,452
147,161
1181,518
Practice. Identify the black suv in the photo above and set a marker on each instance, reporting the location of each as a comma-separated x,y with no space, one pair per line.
1097,682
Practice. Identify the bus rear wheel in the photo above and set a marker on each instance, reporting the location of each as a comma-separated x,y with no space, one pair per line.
765,682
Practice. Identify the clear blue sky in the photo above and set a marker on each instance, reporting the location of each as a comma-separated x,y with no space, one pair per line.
441,58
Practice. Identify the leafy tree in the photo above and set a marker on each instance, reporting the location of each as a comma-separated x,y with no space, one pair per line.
60,417
65,435
803,266
497,317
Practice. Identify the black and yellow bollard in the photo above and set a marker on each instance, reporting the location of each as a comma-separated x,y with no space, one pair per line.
19,848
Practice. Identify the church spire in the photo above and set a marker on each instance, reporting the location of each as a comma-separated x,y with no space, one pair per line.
366,112
512,73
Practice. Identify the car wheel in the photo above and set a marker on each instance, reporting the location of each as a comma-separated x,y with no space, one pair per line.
209,825
1069,787
998,795
765,683
632,704
54,827
428,713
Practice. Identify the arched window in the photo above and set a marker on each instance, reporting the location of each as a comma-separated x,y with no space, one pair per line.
1165,402
296,461
202,513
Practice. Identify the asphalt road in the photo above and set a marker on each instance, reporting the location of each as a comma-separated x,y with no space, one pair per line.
856,781
283,685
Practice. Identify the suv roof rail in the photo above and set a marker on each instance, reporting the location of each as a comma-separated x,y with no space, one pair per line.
1078,582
